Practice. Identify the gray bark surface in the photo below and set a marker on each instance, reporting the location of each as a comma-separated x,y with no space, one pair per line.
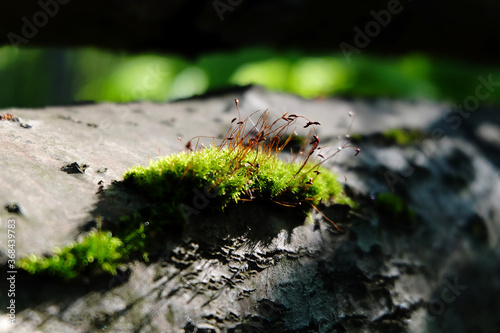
257,268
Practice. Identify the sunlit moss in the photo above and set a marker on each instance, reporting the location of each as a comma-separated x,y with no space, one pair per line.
244,166
258,175
97,250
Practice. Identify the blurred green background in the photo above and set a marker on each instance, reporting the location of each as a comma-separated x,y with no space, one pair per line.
41,77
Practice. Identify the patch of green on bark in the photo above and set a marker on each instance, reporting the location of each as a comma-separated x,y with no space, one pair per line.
96,251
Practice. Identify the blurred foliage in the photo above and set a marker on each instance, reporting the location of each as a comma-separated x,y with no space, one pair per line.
40,77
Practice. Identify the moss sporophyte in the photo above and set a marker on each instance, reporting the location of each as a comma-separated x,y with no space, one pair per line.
243,166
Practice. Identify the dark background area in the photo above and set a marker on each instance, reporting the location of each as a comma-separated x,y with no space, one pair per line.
61,52
456,29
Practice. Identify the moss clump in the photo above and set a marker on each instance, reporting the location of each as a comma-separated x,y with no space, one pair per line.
98,250
244,167
394,208
229,176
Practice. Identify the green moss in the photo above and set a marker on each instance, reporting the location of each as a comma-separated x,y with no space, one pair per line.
243,167
233,175
394,208
98,250
402,137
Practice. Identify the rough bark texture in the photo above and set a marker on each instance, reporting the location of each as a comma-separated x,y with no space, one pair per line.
256,268
455,29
